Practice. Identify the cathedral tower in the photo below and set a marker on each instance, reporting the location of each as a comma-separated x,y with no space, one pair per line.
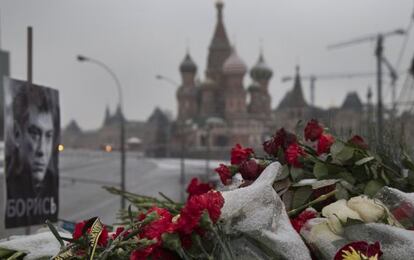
234,70
187,92
260,100
219,49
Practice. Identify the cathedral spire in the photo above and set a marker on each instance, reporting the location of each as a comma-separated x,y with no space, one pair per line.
107,115
220,48
297,94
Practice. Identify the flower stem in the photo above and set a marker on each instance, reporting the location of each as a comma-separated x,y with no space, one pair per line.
311,203
227,251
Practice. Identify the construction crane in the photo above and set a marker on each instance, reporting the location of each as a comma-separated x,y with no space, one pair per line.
332,76
379,38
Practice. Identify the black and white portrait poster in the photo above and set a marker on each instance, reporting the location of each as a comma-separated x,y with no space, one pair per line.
32,132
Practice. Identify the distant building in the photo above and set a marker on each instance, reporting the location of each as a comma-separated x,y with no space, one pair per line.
139,135
221,110
244,112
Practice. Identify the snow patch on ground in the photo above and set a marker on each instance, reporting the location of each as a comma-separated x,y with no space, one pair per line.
175,164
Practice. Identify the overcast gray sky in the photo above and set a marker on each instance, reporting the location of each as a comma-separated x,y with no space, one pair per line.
141,38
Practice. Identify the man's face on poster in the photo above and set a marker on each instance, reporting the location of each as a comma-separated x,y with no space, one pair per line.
36,141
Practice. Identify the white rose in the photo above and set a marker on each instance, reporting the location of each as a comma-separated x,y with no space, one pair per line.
369,209
322,230
338,212
335,225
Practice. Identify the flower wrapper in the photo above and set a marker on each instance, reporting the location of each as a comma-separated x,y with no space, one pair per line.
257,218
396,242
400,204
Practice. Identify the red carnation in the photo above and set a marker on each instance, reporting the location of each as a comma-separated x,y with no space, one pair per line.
250,169
118,231
361,249
302,218
141,254
358,141
313,130
225,173
153,231
240,154
163,224
78,233
196,187
293,153
190,215
324,143
157,253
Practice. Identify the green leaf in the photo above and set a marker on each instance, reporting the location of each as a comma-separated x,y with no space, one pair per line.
285,172
360,174
345,154
341,152
5,253
341,192
364,160
411,177
17,256
346,176
385,178
320,171
171,241
351,222
55,233
130,215
337,147
296,174
372,187
301,196
407,162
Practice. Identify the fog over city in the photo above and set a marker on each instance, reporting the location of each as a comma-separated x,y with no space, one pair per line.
141,38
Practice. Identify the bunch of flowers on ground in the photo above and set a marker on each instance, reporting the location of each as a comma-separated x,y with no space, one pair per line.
158,229
332,180
320,163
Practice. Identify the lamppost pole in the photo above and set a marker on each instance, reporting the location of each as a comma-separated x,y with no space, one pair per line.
208,132
182,139
122,120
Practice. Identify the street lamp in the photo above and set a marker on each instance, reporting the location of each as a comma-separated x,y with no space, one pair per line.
183,139
168,129
122,121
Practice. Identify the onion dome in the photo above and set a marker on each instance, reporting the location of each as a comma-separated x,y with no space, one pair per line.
261,71
255,86
234,64
188,65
